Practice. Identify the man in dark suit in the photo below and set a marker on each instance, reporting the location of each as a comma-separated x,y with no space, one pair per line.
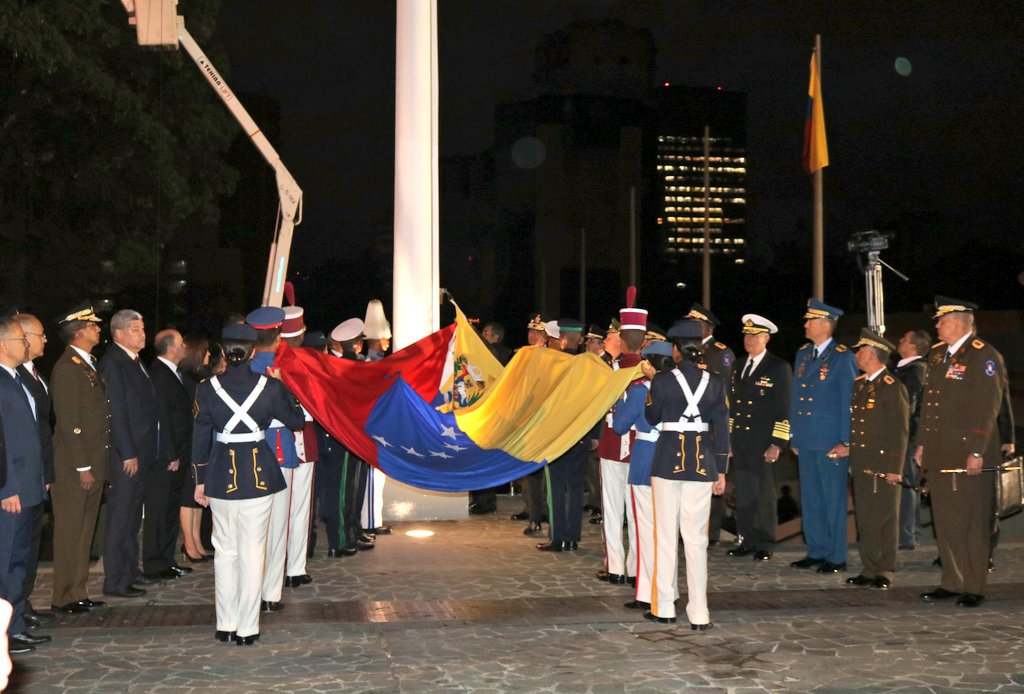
910,372
134,423
162,495
21,497
35,384
82,458
759,400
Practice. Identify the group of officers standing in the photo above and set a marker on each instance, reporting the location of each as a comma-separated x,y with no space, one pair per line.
697,414
117,430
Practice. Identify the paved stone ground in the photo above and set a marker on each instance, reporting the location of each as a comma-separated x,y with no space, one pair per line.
477,608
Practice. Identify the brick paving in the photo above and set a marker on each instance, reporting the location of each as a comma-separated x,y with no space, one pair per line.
476,608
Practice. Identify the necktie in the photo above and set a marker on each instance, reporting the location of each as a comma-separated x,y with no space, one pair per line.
35,372
748,368
814,354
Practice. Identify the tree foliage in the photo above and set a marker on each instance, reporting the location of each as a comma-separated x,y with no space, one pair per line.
107,151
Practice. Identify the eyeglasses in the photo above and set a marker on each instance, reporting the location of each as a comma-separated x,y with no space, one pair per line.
41,335
23,340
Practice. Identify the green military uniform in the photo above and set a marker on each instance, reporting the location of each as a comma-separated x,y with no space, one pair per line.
879,426
962,398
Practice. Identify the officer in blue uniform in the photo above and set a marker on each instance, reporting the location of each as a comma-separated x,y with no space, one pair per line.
689,403
823,377
237,475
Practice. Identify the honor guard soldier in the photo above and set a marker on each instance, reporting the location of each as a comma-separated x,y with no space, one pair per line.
613,450
613,342
689,403
720,359
963,394
377,330
533,484
880,414
238,476
759,425
820,426
629,416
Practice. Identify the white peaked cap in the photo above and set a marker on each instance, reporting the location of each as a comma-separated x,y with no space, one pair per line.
376,326
347,330
552,329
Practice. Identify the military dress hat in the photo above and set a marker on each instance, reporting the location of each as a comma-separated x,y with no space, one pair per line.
698,312
630,317
819,309
655,332
944,305
869,338
754,324
266,317
84,311
552,329
239,331
375,325
347,330
294,324
686,327
658,348
535,322
594,333
614,327
314,338
570,325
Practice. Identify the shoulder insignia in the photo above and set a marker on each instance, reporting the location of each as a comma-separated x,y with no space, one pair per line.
889,380
76,359
861,377
938,344
719,345
841,348
977,344
806,346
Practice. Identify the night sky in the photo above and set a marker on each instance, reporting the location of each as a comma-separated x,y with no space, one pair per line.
934,155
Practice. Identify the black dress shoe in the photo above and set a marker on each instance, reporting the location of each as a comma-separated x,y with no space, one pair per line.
637,605
859,580
522,515
937,561
881,582
39,617
296,581
631,580
33,622
616,579
126,592
702,627
571,544
337,553
740,551
550,546
267,606
991,566
762,556
533,530
363,546
165,575
30,639
180,570
480,510
246,640
806,563
381,530
939,594
367,537
15,646
70,608
224,636
969,600
148,580
830,568
651,617
597,520
91,603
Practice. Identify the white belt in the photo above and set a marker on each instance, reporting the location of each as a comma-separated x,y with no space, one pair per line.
247,437
684,426
609,419
647,435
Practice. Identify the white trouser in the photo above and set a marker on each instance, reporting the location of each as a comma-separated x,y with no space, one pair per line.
680,509
300,494
277,545
373,503
239,536
614,488
642,537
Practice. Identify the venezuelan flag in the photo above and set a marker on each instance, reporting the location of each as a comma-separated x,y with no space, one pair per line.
815,154
530,413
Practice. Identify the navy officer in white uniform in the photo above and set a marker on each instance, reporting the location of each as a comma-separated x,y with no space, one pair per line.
237,476
689,403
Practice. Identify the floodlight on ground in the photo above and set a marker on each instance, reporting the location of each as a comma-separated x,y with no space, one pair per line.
419,533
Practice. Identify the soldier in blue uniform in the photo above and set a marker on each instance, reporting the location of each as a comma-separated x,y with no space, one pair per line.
819,419
689,465
237,476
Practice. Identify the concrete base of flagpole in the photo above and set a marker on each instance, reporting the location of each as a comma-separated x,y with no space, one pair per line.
402,502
